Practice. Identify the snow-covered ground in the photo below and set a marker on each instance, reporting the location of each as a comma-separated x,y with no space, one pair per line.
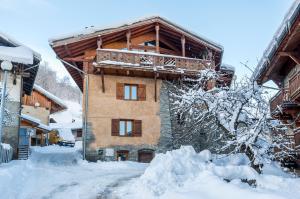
58,172
185,174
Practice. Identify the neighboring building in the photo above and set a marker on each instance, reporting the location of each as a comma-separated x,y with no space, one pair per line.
20,81
281,64
36,110
128,104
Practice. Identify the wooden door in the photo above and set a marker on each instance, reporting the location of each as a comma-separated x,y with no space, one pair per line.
145,156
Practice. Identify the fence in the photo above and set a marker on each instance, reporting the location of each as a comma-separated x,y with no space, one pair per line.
6,153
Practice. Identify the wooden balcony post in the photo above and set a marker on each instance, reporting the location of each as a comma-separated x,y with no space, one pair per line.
183,45
102,80
157,38
128,37
99,43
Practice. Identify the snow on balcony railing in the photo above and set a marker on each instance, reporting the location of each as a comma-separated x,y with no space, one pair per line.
148,59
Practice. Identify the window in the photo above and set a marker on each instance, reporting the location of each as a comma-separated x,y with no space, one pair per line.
130,92
136,92
125,127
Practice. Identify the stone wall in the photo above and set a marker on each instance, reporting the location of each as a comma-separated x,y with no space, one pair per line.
11,130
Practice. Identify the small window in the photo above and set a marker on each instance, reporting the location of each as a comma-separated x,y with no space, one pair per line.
130,92
125,127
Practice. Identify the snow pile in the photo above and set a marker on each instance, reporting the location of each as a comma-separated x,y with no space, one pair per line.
55,155
183,173
18,54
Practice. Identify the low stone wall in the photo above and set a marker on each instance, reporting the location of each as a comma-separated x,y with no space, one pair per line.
110,153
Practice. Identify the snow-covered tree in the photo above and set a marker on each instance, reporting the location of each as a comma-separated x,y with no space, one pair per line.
238,117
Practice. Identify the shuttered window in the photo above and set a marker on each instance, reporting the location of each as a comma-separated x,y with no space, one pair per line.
131,91
125,127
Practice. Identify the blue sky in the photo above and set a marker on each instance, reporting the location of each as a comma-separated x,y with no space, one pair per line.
243,27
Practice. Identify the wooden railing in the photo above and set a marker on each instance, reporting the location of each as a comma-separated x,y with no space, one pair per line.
147,59
276,101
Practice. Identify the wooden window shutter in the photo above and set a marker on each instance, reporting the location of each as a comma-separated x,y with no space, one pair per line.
120,91
115,127
137,128
142,92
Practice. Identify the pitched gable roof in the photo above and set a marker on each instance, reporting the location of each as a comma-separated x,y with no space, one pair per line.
95,32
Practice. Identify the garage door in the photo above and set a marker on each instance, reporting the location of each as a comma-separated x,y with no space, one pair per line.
146,156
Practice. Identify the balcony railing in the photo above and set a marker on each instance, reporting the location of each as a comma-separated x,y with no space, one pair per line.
147,59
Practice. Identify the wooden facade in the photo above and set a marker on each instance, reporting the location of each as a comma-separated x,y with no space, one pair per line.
142,54
281,64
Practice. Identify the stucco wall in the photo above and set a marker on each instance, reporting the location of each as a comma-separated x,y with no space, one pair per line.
103,107
40,113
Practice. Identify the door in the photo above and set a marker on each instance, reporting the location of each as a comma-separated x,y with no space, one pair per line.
145,156
23,137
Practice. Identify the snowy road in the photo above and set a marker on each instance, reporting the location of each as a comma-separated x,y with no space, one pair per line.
56,176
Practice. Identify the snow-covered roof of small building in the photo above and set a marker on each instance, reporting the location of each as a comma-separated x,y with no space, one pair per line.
49,95
227,67
72,126
36,122
282,31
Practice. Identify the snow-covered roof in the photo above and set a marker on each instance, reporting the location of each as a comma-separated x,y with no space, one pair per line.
94,31
227,67
72,126
18,54
281,32
57,100
36,122
14,43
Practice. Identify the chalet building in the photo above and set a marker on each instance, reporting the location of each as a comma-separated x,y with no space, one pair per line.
20,81
126,69
36,110
281,64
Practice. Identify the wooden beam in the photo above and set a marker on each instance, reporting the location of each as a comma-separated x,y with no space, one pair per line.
102,80
169,44
155,87
291,55
128,37
183,45
157,37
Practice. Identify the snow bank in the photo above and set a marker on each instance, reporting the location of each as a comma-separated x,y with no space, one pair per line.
183,173
55,155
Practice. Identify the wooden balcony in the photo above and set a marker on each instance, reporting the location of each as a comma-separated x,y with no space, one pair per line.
151,61
294,86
